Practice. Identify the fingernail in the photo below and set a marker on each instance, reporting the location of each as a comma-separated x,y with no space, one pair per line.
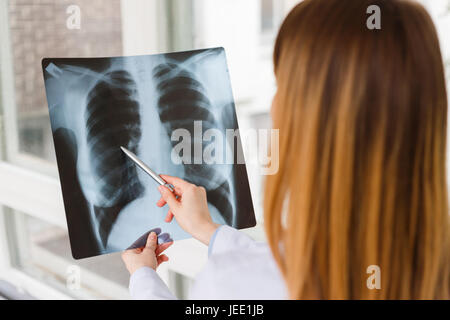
152,235
161,189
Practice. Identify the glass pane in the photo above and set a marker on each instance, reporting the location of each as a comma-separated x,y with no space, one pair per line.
267,15
43,251
48,28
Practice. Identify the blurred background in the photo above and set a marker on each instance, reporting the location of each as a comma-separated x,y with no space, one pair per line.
35,259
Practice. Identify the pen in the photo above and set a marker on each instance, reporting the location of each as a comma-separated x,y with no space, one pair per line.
146,168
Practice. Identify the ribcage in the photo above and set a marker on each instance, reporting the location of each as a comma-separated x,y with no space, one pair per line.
182,100
113,120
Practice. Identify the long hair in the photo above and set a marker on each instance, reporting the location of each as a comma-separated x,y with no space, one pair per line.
362,119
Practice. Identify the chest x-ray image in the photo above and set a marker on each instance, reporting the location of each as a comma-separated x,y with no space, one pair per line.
97,105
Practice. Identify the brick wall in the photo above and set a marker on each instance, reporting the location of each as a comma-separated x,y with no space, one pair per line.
38,29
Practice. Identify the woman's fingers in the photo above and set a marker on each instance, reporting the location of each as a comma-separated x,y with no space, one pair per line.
178,183
162,247
132,251
169,217
162,258
169,197
152,240
161,202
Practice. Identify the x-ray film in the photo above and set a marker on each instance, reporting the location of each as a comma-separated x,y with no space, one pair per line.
175,111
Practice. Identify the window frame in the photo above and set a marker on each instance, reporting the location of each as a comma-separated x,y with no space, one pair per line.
38,193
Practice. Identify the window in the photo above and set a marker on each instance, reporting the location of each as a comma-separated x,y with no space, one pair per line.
267,15
34,247
440,12
42,251
246,29
38,29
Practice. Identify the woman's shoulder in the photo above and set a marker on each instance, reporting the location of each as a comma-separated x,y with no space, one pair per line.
244,273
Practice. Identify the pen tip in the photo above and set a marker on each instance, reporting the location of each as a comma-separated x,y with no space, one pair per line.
122,148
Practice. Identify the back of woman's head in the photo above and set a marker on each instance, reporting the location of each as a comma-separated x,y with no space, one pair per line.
362,182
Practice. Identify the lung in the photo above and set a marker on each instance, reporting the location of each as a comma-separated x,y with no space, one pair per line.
113,120
82,238
182,100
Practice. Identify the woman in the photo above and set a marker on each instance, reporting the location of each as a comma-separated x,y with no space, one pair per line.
362,181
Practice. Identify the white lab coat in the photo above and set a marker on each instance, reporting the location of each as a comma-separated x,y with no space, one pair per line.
238,268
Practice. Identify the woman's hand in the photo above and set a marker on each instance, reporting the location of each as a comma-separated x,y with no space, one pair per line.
148,256
190,208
